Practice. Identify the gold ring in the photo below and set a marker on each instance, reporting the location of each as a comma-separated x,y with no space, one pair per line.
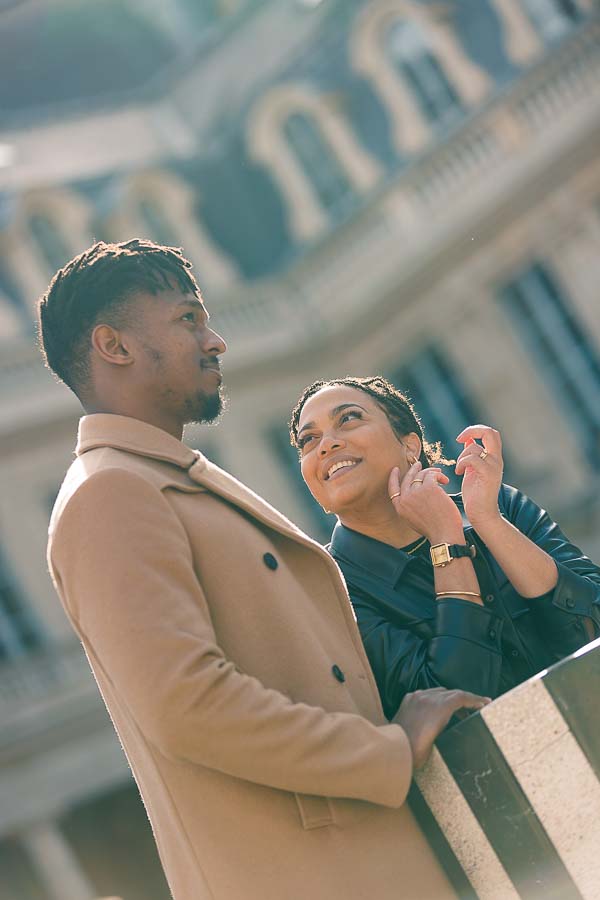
416,481
397,494
483,453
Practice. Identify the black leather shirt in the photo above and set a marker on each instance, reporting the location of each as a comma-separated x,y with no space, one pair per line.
414,641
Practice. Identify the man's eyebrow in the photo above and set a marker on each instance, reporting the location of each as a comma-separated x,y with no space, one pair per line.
334,412
195,305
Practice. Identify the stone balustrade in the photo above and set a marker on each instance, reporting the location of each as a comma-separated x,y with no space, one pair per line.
393,235
513,792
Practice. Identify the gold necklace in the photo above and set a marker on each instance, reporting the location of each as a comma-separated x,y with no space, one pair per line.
414,549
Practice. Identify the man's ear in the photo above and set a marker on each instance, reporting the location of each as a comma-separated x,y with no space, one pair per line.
111,345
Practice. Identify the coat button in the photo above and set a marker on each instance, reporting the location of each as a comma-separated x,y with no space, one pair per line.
514,653
492,633
570,602
489,598
337,672
270,561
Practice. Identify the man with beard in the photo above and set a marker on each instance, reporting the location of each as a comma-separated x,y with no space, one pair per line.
221,636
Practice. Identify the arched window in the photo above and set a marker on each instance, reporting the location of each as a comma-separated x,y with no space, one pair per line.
408,49
49,241
159,227
320,164
552,18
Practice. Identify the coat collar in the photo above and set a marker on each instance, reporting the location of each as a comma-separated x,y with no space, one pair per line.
133,436
141,438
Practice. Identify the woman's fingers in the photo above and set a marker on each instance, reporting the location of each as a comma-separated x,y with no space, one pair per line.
399,486
479,459
472,461
435,475
489,437
411,474
415,477
394,482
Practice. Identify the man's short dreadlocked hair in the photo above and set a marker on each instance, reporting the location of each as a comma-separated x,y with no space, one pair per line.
93,288
400,412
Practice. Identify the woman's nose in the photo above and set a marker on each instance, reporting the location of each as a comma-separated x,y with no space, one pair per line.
328,444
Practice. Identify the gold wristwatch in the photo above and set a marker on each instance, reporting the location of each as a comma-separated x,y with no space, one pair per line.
442,554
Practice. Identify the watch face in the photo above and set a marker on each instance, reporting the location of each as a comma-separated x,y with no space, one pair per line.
440,554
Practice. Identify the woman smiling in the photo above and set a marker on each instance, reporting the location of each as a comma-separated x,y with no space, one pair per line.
477,590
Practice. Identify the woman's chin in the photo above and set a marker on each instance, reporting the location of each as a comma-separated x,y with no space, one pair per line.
341,503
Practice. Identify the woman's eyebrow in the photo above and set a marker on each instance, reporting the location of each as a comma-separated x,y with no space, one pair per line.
334,412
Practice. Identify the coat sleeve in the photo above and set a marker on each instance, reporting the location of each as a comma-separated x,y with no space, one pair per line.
123,567
464,651
569,615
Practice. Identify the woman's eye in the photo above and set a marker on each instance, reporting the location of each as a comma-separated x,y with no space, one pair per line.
305,441
348,416
189,317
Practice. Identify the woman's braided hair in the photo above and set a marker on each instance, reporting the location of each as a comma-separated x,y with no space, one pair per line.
398,408
94,287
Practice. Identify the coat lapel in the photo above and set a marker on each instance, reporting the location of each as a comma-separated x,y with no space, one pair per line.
214,479
133,436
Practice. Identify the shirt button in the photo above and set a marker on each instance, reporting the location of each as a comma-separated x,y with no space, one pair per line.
337,672
492,633
570,602
270,561
489,598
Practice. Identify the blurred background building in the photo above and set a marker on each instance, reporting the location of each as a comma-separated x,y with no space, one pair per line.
407,187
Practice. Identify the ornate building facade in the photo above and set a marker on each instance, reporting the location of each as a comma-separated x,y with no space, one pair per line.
396,186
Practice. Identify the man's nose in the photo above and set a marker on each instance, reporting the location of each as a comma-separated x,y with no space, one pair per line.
213,343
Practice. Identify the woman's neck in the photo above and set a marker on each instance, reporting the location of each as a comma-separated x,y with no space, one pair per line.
383,524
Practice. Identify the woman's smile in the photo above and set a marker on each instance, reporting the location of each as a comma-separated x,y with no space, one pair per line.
340,467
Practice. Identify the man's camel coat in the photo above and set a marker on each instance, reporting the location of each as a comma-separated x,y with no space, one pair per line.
225,648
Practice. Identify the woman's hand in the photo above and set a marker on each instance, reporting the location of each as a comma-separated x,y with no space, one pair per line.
481,466
424,504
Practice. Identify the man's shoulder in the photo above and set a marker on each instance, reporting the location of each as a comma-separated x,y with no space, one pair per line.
106,468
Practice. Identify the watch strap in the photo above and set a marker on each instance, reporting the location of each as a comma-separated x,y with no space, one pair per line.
442,554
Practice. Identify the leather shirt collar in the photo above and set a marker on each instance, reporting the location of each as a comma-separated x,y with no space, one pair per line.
134,436
375,557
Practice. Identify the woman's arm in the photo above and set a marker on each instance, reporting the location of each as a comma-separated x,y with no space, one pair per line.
463,652
429,510
536,557
531,571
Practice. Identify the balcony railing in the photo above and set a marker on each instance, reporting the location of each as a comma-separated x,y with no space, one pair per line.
406,222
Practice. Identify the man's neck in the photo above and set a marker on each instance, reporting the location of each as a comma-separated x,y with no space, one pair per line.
165,423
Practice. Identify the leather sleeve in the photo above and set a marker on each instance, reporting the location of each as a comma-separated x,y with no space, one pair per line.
570,614
463,653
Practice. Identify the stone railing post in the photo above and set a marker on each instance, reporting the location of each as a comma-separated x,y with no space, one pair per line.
515,790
